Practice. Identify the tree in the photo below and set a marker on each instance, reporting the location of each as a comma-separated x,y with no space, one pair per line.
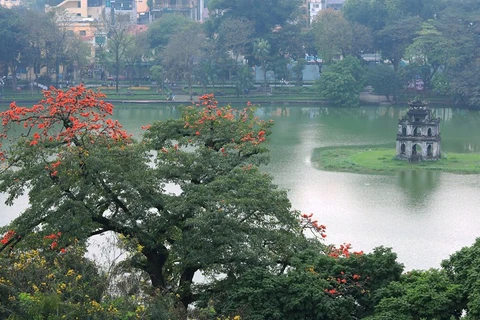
180,61
375,14
428,51
244,80
137,54
419,295
119,37
86,176
12,42
261,52
336,37
157,74
459,25
384,80
394,39
265,14
462,268
322,282
234,37
57,40
342,82
161,30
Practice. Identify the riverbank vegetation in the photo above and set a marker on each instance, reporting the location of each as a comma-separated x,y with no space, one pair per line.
382,160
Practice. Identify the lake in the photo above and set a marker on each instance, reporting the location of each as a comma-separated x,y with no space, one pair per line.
423,215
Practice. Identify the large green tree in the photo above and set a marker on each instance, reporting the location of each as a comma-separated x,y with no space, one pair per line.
12,40
419,295
394,39
181,61
161,30
319,284
188,197
335,36
261,52
342,82
266,15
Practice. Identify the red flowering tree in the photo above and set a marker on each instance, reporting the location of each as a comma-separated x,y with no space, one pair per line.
187,197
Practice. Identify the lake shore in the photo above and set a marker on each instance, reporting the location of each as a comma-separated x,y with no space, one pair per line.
369,160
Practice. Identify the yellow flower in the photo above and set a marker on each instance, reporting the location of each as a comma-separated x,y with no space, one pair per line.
78,277
70,272
237,318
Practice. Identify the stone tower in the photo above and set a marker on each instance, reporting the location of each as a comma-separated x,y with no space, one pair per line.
418,136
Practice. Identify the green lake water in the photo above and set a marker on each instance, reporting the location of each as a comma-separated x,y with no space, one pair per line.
423,215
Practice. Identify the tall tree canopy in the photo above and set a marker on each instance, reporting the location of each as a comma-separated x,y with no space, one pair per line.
266,15
85,176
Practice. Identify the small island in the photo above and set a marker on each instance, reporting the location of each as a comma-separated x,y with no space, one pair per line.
383,161
417,147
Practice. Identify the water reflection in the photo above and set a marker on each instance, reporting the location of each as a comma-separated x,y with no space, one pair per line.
419,186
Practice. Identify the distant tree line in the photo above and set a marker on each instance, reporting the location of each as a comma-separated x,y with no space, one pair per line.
432,41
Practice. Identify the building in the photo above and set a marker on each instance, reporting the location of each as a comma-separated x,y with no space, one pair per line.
124,10
418,136
315,6
193,9
80,8
9,3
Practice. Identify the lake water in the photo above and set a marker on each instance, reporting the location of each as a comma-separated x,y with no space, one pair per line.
423,215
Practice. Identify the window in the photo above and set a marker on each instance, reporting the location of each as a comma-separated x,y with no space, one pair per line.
99,40
83,32
79,4
79,14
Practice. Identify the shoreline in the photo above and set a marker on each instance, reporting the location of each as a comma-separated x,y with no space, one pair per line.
366,99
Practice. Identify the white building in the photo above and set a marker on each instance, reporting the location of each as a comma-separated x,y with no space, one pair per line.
315,6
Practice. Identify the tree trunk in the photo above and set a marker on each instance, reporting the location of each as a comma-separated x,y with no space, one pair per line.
156,260
186,295
264,67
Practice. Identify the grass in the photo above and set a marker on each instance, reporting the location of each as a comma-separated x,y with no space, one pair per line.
383,161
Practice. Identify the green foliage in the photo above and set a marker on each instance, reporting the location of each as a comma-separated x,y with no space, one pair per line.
462,269
265,14
161,30
420,295
337,37
316,285
383,80
40,282
342,82
394,38
228,217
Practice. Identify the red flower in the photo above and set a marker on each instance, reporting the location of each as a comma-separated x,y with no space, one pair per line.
54,245
7,237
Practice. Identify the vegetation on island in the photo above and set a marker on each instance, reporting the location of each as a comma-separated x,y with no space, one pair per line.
382,160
